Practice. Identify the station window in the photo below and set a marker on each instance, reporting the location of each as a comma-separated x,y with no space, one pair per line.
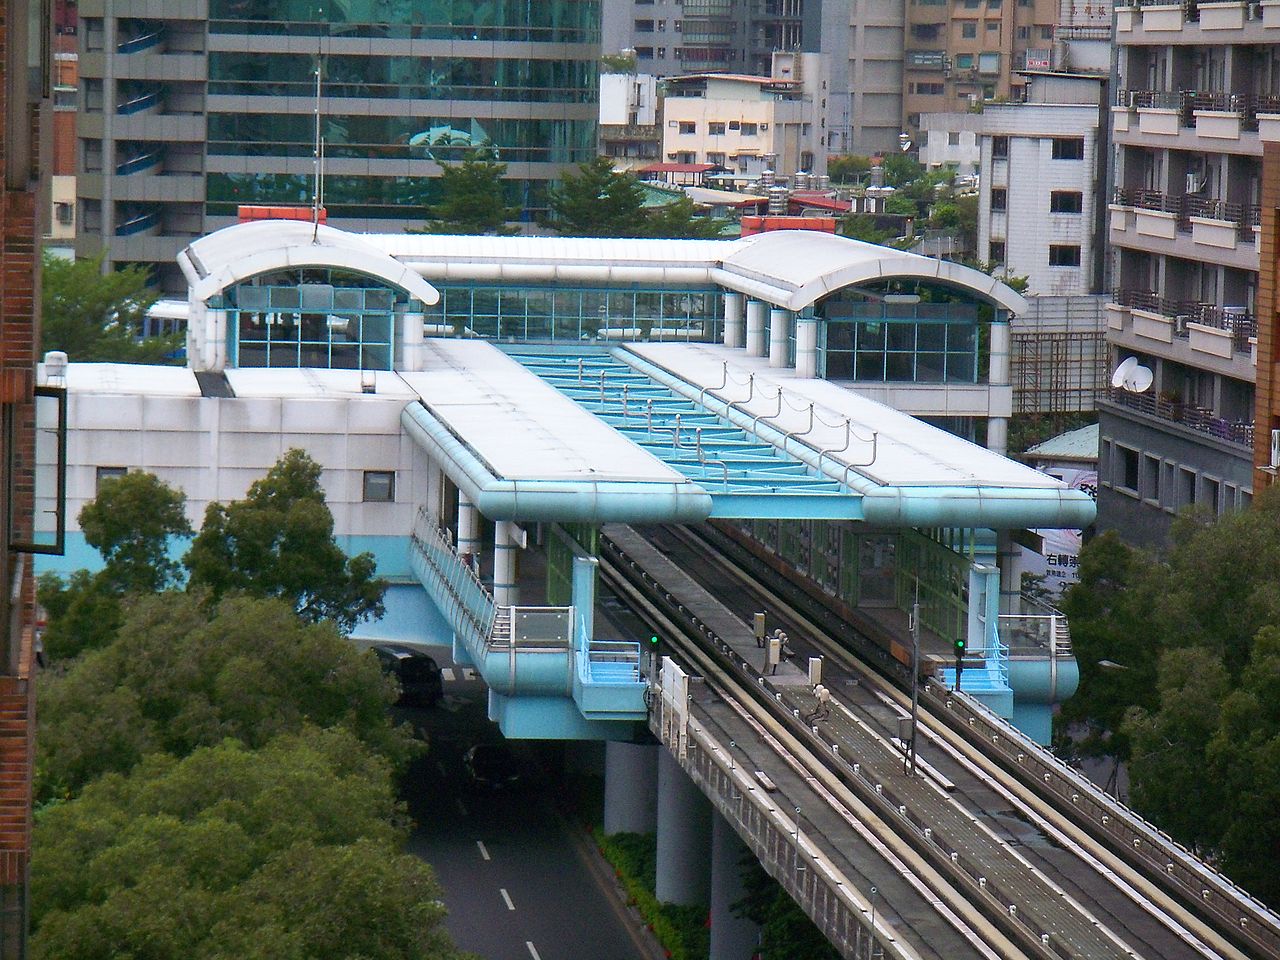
107,473
379,486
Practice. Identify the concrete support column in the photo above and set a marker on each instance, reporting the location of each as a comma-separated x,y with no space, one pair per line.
410,327
1009,559
630,787
998,374
806,347
684,836
468,530
779,334
755,327
734,304
732,938
505,592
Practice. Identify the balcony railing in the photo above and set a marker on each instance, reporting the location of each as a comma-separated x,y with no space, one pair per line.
1190,8
1241,324
1185,206
1245,105
1189,415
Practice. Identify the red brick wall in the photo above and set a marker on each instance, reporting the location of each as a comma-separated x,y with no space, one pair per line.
1267,391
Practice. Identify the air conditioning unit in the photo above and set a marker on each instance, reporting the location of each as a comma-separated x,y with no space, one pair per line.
1253,11
1195,183
1275,448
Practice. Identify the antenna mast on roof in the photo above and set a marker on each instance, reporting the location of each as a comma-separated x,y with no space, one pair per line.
317,194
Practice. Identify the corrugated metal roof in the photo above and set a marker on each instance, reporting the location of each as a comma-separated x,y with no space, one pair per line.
1078,444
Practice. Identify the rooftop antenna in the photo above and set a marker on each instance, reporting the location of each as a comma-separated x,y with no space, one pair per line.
317,194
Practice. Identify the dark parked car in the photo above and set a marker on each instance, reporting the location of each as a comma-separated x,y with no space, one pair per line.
419,674
491,766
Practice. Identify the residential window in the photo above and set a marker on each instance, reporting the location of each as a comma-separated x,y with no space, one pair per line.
953,138
1213,495
1046,33
925,31
688,126
993,25
1126,476
995,250
999,199
107,473
964,61
662,26
1064,255
1068,148
734,124
748,129
1066,201
678,26
662,53
644,26
1187,485
644,53
715,157
971,4
999,148
928,89
1023,33
968,30
65,213
1151,478
715,128
379,486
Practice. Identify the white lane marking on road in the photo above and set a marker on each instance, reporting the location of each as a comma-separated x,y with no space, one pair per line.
468,673
461,807
506,898
483,850
533,951
447,674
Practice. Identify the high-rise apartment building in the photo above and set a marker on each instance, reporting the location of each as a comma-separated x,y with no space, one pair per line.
962,52
195,106
1197,96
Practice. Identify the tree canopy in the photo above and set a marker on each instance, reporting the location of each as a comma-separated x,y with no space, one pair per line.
96,316
599,201
289,852
848,168
178,676
473,197
131,523
278,542
1179,660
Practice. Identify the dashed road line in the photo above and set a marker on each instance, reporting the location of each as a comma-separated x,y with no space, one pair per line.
533,951
506,898
484,851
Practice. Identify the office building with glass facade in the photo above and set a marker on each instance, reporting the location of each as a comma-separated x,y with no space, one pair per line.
212,104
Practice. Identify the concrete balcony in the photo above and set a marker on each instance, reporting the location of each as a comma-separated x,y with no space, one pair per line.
1187,226
1128,16
1200,420
1223,16
1163,17
1124,218
1196,120
1226,333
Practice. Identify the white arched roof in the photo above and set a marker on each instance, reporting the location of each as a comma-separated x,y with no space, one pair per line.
244,250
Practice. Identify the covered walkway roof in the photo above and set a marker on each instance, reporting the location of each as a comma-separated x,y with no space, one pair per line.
792,269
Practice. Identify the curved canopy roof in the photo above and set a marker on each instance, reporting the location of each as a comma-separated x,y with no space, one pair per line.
244,250
788,268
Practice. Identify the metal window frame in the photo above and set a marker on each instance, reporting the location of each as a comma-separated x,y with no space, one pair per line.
58,547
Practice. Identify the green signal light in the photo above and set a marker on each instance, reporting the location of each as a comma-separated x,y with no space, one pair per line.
960,646
653,640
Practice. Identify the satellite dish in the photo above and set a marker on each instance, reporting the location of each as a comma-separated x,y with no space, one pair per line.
1123,372
1139,380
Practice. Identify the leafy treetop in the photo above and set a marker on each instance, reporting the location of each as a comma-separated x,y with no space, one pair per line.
599,201
473,199
278,542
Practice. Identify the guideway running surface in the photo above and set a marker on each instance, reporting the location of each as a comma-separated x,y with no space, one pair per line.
745,476
1008,877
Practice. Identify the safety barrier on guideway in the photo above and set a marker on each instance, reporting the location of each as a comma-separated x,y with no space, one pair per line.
844,915
464,601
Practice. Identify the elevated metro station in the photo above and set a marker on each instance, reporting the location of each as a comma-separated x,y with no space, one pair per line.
481,406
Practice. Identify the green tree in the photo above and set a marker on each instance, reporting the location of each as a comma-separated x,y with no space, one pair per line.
900,170
848,168
862,226
473,197
81,613
290,851
598,201
278,542
93,316
786,932
680,220
132,522
178,676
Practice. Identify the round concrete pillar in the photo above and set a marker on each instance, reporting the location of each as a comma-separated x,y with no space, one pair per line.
734,305
684,836
630,787
998,374
732,938
756,312
505,592
779,336
468,530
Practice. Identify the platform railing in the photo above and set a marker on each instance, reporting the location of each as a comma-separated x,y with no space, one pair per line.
464,600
